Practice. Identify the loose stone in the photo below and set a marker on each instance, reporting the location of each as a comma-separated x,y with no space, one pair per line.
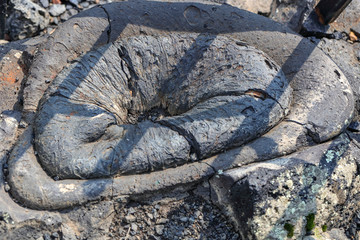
159,229
44,3
130,218
57,9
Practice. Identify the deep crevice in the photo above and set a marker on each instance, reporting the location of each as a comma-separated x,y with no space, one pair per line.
213,168
352,140
133,78
109,21
266,95
195,147
293,121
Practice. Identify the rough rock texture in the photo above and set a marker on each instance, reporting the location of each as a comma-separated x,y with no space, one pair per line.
114,207
264,199
211,102
186,216
57,9
346,57
15,61
348,19
292,12
317,100
262,7
25,19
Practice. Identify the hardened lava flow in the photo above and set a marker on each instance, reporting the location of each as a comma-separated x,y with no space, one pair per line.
168,96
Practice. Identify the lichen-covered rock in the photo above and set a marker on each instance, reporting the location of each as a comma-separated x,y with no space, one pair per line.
290,196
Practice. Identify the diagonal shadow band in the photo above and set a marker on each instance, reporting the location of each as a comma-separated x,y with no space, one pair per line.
319,86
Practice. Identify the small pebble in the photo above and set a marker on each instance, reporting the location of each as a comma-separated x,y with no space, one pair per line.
197,213
23,124
73,12
44,3
131,210
85,4
57,9
162,221
46,236
55,21
159,229
65,16
337,35
130,218
6,187
75,2
134,227
55,235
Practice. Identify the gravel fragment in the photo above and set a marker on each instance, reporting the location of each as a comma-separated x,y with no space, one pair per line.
65,16
130,218
55,235
75,2
57,9
189,217
73,12
44,3
6,187
159,229
85,4
134,227
46,236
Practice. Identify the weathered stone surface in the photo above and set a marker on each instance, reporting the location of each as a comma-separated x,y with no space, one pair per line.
8,127
344,55
25,19
320,98
292,12
348,19
11,212
81,35
262,7
227,116
91,223
299,15
263,197
322,109
57,9
34,184
15,61
44,3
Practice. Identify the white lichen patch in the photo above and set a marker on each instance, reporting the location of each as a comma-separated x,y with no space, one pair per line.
65,188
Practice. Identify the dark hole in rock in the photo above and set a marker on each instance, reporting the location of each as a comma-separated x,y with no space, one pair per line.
337,73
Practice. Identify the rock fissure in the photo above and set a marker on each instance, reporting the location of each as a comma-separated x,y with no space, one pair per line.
109,21
187,135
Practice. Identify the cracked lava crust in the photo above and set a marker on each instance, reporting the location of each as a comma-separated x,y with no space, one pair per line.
151,102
